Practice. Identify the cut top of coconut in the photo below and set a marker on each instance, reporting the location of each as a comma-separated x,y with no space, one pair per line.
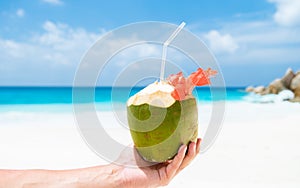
156,94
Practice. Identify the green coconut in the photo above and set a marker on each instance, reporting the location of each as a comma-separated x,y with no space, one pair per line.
158,129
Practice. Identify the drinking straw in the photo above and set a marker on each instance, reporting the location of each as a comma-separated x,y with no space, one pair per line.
164,51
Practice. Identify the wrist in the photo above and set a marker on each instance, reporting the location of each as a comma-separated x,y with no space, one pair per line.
115,175
109,176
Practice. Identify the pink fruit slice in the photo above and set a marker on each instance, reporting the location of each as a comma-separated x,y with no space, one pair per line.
184,86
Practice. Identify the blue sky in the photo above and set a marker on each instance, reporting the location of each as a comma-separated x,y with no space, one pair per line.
42,41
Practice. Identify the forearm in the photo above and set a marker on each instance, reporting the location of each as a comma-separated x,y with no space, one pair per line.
101,176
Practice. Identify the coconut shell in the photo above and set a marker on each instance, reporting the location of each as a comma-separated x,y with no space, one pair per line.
159,132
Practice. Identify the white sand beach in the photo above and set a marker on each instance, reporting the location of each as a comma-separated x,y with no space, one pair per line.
258,146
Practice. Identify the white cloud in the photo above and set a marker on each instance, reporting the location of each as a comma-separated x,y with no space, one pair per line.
265,50
58,44
265,34
61,43
221,43
58,49
53,2
288,12
20,12
262,42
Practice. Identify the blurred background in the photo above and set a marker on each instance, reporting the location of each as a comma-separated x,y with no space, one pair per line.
42,41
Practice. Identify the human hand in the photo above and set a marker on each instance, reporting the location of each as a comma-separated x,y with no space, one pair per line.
130,170
138,173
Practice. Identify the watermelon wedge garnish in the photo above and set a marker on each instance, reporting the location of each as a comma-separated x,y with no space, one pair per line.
184,86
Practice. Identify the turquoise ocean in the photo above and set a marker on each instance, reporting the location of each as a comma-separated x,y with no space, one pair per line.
58,99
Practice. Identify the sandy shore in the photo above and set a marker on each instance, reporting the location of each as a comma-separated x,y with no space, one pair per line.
257,147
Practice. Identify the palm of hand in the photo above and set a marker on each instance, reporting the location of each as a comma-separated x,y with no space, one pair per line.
139,173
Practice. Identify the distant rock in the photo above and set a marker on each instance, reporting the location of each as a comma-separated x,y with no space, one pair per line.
287,78
295,85
296,99
285,88
250,89
259,89
285,95
276,86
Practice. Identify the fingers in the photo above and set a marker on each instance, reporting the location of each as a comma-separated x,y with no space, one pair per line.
180,161
198,145
173,167
193,150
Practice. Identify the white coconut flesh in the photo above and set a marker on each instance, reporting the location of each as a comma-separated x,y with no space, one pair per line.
156,94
